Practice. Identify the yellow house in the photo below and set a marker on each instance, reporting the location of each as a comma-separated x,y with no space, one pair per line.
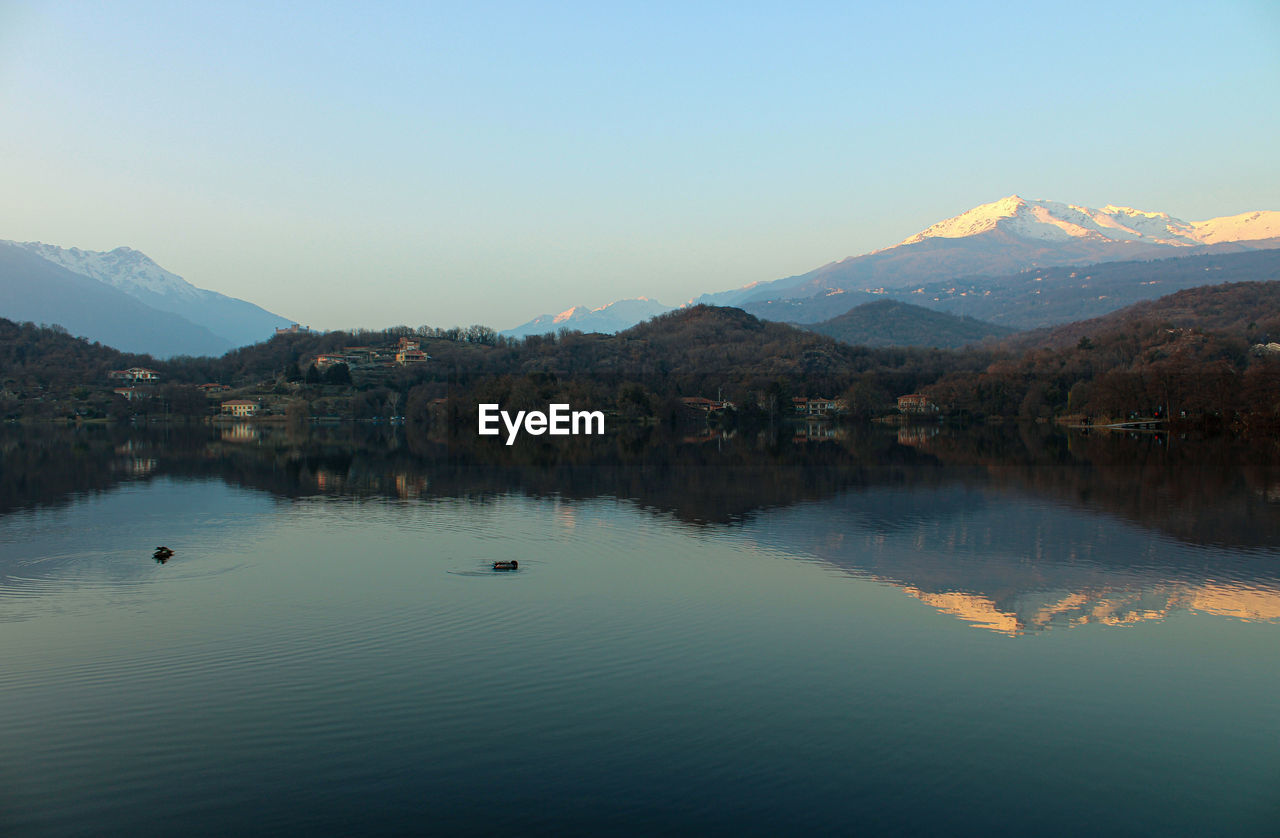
239,407
411,356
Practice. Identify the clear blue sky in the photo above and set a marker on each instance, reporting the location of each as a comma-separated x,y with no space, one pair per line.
442,163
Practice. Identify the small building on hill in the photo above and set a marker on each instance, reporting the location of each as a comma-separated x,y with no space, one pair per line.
411,356
239,407
329,359
135,375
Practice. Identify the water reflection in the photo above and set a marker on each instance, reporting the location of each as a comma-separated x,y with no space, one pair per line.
1035,610
1014,532
1005,556
239,432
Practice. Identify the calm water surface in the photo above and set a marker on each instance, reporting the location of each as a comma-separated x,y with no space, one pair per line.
892,636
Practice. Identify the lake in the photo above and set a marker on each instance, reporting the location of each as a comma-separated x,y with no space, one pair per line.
866,631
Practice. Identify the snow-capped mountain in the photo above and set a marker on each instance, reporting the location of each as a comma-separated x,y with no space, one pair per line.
1000,238
610,318
135,274
35,289
997,239
124,268
1054,221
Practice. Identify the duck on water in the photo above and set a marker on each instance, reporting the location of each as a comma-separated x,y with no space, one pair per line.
511,565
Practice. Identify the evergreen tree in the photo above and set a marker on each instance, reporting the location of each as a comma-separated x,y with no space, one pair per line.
337,374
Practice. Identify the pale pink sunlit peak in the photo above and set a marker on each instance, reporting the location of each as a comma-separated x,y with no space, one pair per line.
1246,226
607,318
1056,221
569,313
1039,611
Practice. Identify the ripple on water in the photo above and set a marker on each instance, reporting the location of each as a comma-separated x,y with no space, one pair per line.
619,660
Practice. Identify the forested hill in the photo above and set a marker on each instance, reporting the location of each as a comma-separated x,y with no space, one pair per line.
1193,354
894,323
1049,297
1250,310
704,349
700,341
48,356
1198,354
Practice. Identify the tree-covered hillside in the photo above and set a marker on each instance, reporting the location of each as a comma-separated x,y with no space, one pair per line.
1200,355
895,323
1250,309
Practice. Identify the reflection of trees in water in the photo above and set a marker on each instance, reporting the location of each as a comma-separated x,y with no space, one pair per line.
1012,563
996,527
1204,491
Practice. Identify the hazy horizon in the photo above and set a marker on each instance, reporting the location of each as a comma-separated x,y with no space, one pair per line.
463,164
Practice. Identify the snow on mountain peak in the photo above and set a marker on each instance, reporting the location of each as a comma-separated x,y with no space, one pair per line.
1055,221
980,219
1112,209
124,268
612,317
1247,226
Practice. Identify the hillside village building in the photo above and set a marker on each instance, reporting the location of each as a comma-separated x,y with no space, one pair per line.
239,407
331,358
411,356
137,375
408,351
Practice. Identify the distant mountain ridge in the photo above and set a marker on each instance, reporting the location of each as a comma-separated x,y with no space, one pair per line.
998,239
199,322
1243,308
895,323
610,318
1053,296
1015,234
1056,221
124,268
37,290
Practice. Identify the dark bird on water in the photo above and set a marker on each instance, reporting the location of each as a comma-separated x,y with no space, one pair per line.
162,554
511,565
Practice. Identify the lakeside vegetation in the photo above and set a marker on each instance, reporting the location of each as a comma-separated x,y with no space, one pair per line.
1200,357
1171,482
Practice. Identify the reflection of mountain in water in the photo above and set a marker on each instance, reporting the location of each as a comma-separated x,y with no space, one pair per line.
1013,563
1036,611
1014,532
